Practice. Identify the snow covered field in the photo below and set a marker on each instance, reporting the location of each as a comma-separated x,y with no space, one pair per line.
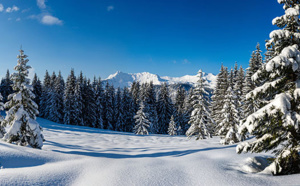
75,155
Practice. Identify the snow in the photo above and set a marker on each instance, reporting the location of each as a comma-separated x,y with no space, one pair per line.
74,155
121,79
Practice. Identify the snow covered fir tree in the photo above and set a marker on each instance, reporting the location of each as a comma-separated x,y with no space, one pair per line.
200,120
276,123
22,110
142,121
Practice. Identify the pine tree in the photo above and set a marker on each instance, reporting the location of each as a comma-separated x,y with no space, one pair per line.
78,104
276,123
90,117
229,124
251,105
6,87
69,97
172,130
99,102
108,106
164,109
56,113
44,110
179,106
200,121
188,108
2,130
128,110
37,89
219,95
150,101
22,110
142,121
119,112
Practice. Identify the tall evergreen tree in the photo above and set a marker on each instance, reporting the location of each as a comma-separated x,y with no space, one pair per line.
78,104
276,123
37,89
90,117
200,121
44,110
108,107
56,113
128,110
99,102
179,106
2,130
219,93
172,130
119,112
6,87
149,99
164,109
142,121
69,97
22,110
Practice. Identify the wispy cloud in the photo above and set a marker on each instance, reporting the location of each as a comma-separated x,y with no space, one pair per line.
186,61
18,19
1,7
25,10
110,8
51,20
12,9
41,4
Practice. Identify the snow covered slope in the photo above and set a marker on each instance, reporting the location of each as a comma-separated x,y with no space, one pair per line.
74,155
121,79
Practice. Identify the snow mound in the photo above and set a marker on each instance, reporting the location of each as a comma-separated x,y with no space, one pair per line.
255,164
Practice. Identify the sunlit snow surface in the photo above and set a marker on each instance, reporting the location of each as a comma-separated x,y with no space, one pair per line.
75,155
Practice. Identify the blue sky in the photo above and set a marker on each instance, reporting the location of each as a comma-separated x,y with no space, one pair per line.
166,37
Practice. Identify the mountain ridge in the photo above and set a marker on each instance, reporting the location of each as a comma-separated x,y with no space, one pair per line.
121,79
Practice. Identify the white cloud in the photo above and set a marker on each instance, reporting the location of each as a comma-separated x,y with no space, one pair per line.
1,7
41,4
18,19
110,8
12,9
50,20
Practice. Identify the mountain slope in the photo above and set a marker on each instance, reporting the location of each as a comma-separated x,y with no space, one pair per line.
121,79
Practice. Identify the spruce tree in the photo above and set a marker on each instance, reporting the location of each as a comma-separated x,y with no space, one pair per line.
2,130
200,121
37,89
6,87
179,107
69,97
44,110
22,110
142,121
164,109
172,130
219,95
108,106
128,110
56,113
119,112
78,104
90,117
276,123
99,102
228,126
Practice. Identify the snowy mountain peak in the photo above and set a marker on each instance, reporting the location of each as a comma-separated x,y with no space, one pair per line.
121,79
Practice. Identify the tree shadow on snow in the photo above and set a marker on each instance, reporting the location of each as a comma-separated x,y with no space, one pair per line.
150,155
